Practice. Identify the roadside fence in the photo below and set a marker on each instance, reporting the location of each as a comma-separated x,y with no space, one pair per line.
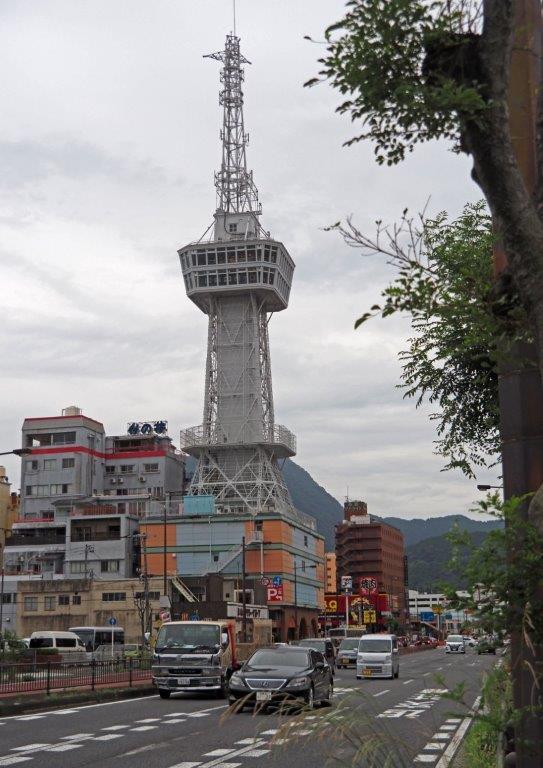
53,675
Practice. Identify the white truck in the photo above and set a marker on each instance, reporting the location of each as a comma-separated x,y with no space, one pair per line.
194,656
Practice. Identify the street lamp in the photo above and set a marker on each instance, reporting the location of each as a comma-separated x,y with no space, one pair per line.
17,452
314,565
488,487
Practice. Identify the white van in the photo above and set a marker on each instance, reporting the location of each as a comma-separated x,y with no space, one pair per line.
63,642
378,656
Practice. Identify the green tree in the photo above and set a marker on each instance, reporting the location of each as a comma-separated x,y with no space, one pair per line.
416,70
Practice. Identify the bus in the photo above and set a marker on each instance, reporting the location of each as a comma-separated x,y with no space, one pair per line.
338,634
101,642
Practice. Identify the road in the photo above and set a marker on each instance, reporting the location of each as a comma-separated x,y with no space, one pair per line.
413,721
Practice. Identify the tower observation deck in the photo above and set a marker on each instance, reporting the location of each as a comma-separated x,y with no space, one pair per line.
238,278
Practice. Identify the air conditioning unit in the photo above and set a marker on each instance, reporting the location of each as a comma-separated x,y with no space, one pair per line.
120,480
113,480
141,479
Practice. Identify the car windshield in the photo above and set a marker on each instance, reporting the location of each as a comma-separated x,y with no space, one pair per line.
381,645
317,645
455,639
190,638
269,658
349,644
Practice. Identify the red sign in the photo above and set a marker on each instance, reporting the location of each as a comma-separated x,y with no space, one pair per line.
275,594
368,586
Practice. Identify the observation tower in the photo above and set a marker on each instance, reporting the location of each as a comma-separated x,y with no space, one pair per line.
238,277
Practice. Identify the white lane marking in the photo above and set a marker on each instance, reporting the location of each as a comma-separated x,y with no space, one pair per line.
219,762
149,720
13,759
63,711
78,736
448,727
442,736
406,682
270,732
454,720
142,728
244,742
218,752
434,745
109,736
225,765
22,718
29,747
426,758
450,752
63,747
114,727
197,714
174,720
381,693
256,753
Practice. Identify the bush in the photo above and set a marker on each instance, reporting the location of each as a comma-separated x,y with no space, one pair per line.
481,745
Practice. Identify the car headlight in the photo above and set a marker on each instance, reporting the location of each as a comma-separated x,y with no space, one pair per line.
299,682
237,680
388,657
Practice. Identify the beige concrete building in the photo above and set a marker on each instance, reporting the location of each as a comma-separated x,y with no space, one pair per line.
9,509
331,582
64,603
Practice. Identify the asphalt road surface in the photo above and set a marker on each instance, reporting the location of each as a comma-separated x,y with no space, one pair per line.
407,719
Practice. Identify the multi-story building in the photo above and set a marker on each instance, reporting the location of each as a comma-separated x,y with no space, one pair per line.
369,548
331,573
287,550
9,508
83,494
432,608
62,603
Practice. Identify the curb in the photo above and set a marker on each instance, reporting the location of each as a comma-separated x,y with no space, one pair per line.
22,706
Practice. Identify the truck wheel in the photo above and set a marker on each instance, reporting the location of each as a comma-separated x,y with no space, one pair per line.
164,694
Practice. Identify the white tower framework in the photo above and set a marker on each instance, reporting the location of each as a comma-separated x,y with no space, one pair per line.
238,278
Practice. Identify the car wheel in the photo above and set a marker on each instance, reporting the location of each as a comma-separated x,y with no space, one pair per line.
164,694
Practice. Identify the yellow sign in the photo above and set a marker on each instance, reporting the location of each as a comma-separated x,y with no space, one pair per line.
370,617
437,609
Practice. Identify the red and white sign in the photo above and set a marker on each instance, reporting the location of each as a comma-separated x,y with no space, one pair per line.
275,594
165,615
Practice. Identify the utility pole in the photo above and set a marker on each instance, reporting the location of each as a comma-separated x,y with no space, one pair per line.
143,538
243,594
295,599
520,385
2,605
88,548
165,549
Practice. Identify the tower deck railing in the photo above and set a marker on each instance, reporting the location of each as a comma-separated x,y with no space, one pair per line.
204,435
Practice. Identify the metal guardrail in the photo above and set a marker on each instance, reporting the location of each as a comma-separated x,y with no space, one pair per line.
27,676
202,435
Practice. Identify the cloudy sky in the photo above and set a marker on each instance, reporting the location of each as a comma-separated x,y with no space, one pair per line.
108,143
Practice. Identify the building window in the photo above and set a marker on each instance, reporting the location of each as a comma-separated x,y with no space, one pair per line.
68,463
150,467
56,490
49,463
32,465
63,438
232,227
110,470
38,490
152,595
127,468
77,566
113,597
76,600
66,488
30,603
6,598
49,603
110,566
64,599
305,541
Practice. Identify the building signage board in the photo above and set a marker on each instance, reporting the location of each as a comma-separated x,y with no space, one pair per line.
427,616
275,594
235,611
147,428
346,583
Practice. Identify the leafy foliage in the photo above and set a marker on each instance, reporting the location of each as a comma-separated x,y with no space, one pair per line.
407,68
445,283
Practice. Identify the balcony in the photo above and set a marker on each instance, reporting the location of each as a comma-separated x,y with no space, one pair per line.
281,439
21,540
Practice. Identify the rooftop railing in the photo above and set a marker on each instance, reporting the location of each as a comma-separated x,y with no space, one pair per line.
245,434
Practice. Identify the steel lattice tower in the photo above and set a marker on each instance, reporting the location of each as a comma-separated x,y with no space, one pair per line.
238,278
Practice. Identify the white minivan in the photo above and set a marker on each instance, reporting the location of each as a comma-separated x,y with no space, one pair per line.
62,642
378,656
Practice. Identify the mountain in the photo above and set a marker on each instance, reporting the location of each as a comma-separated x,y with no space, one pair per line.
309,497
417,530
428,563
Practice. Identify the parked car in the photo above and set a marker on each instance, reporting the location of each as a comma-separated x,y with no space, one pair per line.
455,644
471,642
347,652
324,645
486,645
276,675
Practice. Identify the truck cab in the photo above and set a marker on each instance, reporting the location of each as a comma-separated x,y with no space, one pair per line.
193,656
